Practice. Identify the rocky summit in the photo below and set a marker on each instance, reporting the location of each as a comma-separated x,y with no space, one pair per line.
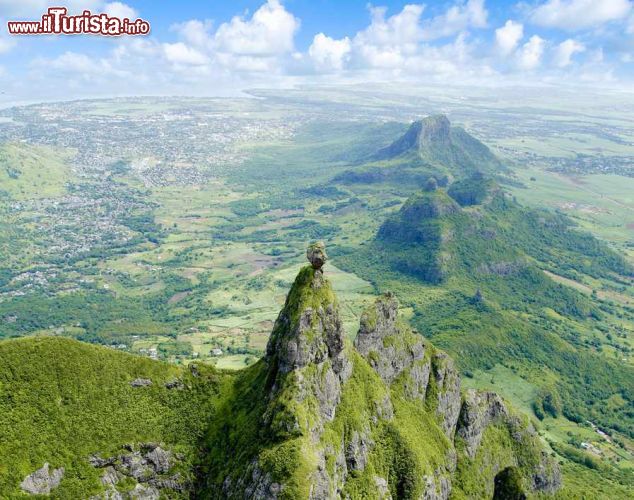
434,142
383,418
318,417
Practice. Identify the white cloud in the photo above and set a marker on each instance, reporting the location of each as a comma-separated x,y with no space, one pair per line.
179,53
195,32
578,14
258,49
386,42
269,32
328,53
530,56
508,36
82,66
565,50
120,10
447,60
457,18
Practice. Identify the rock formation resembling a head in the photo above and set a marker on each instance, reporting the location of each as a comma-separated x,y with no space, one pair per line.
316,254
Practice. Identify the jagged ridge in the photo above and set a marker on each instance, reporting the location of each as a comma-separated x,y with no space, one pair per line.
381,419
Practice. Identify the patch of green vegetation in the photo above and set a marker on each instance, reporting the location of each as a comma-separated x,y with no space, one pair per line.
31,172
62,401
492,251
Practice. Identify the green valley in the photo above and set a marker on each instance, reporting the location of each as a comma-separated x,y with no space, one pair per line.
164,234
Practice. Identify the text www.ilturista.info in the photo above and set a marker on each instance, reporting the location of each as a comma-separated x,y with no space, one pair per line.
57,22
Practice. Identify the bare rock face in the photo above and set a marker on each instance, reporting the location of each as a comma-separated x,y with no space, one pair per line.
387,346
308,330
447,382
306,362
316,254
481,409
255,484
437,487
547,475
42,481
148,464
357,450
395,352
345,409
141,382
417,382
478,411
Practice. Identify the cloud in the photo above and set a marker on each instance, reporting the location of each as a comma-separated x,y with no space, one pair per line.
120,10
328,53
386,42
565,50
508,36
200,57
81,66
179,53
457,18
530,55
444,61
269,32
579,14
195,32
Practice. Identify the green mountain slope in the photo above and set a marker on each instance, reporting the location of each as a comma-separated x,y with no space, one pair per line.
317,417
475,278
430,146
436,143
382,419
62,401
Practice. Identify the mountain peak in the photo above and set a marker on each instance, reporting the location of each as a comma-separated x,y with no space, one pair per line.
308,330
421,133
435,128
449,149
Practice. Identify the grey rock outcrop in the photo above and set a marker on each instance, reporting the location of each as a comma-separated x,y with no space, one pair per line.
437,487
383,491
395,352
350,411
42,481
316,254
141,382
546,476
385,344
357,450
417,382
309,331
144,492
478,410
148,464
447,382
255,484
175,384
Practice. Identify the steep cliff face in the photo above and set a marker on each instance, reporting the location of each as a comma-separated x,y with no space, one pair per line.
385,418
434,141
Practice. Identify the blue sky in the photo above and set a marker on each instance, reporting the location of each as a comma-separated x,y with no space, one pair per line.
218,48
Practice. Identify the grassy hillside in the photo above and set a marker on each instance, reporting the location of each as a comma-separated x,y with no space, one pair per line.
28,172
479,281
434,142
62,400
